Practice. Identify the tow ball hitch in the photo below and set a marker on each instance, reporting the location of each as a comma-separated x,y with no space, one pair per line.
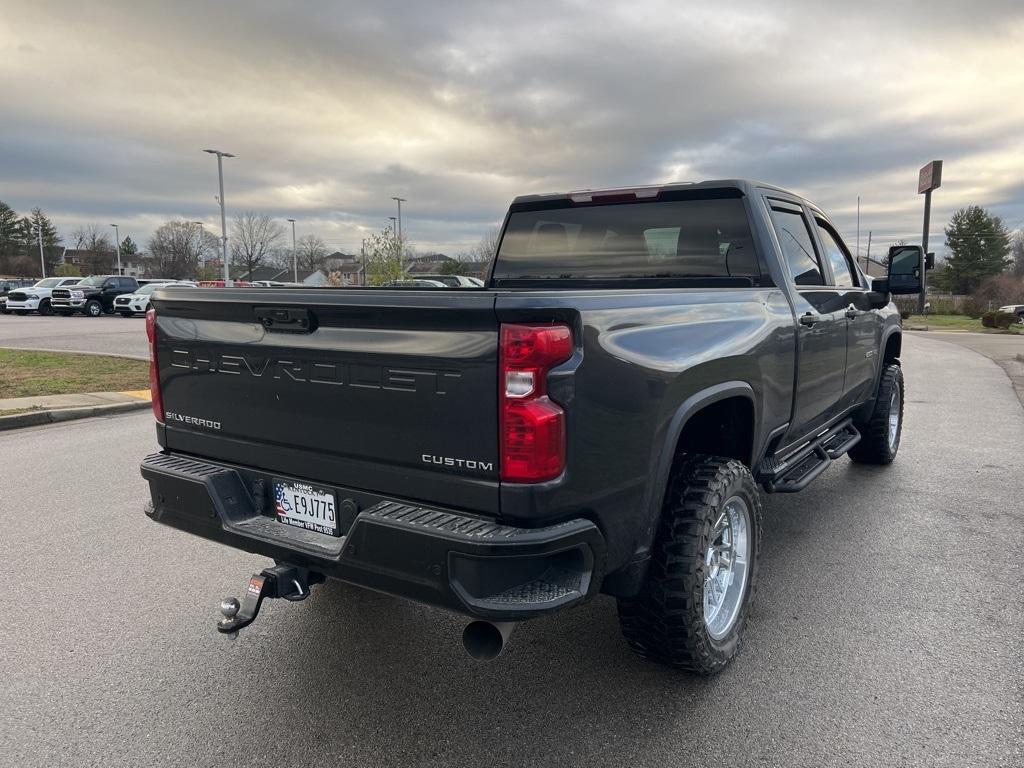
287,581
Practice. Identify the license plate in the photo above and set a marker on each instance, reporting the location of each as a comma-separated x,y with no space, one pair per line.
306,506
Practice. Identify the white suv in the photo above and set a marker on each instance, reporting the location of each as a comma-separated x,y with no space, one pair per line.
36,298
129,304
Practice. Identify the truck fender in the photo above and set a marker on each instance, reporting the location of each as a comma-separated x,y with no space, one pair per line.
629,579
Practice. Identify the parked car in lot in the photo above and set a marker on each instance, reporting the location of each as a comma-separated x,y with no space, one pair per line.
36,298
8,284
137,303
415,282
599,419
454,281
92,296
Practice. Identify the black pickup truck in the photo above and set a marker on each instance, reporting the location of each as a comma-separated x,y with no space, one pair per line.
598,418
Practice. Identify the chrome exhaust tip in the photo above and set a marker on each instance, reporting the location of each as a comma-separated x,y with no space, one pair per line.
485,640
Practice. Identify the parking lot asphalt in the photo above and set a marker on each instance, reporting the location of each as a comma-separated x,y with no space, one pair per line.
109,334
1005,349
888,628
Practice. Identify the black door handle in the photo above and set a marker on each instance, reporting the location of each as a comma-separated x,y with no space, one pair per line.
808,319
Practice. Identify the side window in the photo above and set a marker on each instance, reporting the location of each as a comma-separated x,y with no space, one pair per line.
128,284
797,246
842,267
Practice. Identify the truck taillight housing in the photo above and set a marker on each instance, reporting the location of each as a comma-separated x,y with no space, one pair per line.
154,371
532,425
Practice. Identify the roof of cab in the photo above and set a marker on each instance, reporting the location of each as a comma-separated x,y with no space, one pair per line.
650,191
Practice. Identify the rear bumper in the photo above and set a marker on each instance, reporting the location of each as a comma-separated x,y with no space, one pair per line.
434,556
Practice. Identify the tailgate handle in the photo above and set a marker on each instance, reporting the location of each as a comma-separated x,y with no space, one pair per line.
286,319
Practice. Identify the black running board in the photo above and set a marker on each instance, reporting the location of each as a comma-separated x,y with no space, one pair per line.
798,470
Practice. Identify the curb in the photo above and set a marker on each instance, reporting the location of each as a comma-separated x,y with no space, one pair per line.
37,418
144,358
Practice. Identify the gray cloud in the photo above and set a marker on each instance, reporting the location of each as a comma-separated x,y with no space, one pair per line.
332,108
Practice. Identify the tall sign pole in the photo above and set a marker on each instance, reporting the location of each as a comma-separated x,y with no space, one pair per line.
928,178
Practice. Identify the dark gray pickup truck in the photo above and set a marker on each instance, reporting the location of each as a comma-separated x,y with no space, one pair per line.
598,418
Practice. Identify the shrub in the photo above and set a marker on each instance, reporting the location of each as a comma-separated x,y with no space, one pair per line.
905,314
1004,320
973,307
989,319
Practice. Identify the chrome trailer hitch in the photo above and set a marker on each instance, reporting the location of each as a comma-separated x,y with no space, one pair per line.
287,581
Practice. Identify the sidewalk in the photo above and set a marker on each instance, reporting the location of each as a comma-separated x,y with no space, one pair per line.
47,409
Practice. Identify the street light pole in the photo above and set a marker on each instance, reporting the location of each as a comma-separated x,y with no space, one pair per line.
401,245
394,229
223,218
117,242
295,258
42,259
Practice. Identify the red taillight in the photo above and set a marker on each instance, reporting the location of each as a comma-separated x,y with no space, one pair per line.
154,371
532,425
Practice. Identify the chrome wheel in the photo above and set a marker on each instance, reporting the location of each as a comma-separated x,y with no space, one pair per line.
726,564
894,417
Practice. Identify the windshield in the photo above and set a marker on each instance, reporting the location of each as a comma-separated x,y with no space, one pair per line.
95,280
689,238
48,282
149,288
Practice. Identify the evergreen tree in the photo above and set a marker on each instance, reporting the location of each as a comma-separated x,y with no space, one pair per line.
28,239
10,237
128,249
979,246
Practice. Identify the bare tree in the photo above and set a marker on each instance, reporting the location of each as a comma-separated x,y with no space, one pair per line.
1017,252
98,252
255,237
311,252
488,246
175,249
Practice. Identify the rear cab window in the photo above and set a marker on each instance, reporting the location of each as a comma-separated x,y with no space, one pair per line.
694,239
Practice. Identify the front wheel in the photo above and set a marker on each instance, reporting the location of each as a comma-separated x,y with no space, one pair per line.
93,308
692,608
44,308
880,435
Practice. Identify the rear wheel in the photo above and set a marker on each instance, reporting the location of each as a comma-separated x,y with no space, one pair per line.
692,608
45,308
880,435
93,308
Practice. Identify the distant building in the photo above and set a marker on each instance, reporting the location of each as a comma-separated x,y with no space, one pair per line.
348,268
280,275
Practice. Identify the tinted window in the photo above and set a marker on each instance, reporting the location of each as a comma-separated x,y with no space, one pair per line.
842,270
663,239
797,248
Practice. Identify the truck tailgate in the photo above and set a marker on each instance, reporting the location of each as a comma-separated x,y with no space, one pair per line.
386,390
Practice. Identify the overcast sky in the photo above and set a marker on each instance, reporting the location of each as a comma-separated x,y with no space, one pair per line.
334,107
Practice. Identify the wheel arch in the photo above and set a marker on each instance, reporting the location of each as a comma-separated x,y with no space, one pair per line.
706,404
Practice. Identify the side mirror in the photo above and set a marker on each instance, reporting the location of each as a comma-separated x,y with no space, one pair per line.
905,262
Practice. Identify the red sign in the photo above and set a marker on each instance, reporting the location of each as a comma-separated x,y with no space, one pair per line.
929,177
